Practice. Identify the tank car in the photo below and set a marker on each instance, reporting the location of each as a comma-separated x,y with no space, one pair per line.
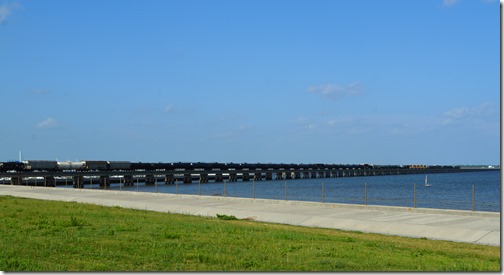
71,165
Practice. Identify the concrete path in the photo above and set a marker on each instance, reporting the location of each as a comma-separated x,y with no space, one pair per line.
452,225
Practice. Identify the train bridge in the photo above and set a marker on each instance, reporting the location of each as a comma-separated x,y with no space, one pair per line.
79,174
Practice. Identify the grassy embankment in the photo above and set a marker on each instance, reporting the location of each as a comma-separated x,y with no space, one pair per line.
38,235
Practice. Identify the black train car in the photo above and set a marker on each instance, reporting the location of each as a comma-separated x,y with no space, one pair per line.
12,166
217,166
232,166
119,165
162,166
142,166
182,165
96,165
332,166
41,165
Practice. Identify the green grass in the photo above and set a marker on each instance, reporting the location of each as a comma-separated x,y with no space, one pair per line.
37,235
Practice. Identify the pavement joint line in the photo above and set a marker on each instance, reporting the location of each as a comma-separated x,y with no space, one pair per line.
488,233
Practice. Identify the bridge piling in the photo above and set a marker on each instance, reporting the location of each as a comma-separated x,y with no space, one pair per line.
269,176
16,181
187,178
150,180
219,177
49,181
78,181
169,179
128,180
104,181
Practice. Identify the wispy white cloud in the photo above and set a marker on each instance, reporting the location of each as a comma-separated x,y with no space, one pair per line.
174,109
352,125
467,114
231,133
6,10
449,3
168,109
482,117
335,91
341,122
47,123
230,118
306,123
40,92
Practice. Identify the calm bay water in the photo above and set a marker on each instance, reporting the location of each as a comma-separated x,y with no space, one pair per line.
448,191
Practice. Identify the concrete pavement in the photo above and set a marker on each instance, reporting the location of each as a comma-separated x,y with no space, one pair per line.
437,224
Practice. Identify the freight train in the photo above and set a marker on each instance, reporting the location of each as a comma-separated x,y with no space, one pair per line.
102,165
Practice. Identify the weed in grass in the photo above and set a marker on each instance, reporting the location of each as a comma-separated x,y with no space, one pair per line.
126,228
333,264
349,239
171,235
371,244
248,263
226,217
15,264
75,222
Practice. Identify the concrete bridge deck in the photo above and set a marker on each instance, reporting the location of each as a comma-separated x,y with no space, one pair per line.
437,224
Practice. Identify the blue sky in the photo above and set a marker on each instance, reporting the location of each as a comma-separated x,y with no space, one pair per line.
337,81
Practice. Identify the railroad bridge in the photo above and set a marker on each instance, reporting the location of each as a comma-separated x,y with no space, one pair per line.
204,173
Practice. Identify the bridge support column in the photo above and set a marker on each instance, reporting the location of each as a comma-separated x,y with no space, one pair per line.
327,174
306,175
257,176
279,176
187,178
16,180
245,176
104,181
78,182
296,175
232,177
287,175
269,176
313,175
49,181
169,179
203,178
128,180
150,180
219,177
